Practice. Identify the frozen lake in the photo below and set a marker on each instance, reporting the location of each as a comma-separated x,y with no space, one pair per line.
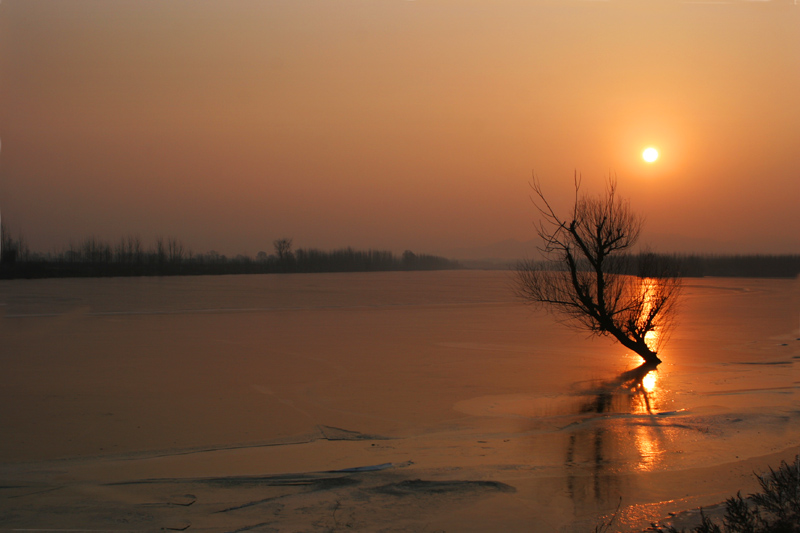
124,397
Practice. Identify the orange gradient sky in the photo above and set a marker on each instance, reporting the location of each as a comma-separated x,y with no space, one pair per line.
396,124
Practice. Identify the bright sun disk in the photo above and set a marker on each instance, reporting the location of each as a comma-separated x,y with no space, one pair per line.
650,154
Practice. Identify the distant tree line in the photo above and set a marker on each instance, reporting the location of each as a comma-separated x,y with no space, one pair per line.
130,257
168,257
12,248
701,265
742,266
730,265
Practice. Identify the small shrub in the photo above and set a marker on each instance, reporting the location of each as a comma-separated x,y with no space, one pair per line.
776,509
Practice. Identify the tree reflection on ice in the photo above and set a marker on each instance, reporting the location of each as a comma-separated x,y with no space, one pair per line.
618,431
630,392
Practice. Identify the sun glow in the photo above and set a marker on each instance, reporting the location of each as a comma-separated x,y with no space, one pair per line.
651,340
650,154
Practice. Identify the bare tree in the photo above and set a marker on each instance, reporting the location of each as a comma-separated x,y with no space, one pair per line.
286,259
175,250
161,250
283,248
128,250
12,250
590,278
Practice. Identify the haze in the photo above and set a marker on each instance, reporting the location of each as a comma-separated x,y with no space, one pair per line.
396,124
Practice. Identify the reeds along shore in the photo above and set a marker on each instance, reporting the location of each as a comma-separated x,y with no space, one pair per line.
169,257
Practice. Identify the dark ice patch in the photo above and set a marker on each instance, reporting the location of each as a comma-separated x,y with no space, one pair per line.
421,487
313,481
764,363
334,433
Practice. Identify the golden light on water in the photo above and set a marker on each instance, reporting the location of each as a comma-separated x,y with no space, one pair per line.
647,437
649,382
649,447
651,339
647,396
648,288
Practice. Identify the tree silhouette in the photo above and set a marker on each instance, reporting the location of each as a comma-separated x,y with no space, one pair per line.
283,249
589,277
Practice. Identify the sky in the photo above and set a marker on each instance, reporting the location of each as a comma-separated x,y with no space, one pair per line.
396,124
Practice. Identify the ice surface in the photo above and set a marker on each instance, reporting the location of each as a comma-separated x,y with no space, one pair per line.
443,375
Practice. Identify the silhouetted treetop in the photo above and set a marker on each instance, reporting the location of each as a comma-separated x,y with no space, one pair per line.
589,278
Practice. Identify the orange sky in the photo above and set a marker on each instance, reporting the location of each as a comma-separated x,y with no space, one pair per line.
396,124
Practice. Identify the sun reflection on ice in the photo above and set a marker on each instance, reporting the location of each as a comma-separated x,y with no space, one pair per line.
647,433
648,443
649,382
646,395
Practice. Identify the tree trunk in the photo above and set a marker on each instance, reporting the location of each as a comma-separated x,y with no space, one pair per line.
641,348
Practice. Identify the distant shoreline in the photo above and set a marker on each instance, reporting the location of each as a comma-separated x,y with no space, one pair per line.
697,265
129,257
155,264
46,270
348,260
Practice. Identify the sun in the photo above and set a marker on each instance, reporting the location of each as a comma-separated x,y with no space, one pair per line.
650,154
